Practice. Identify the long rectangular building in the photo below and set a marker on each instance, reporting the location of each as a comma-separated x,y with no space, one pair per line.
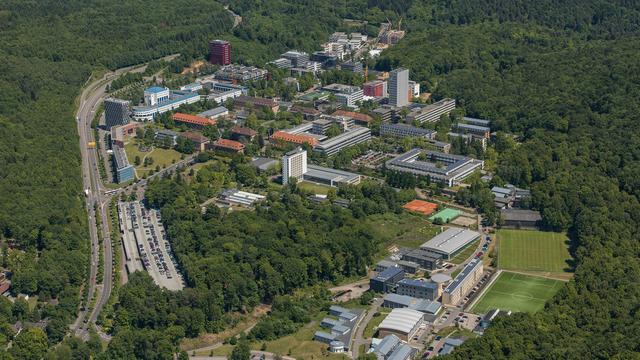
450,242
404,130
464,282
124,170
355,135
427,163
431,112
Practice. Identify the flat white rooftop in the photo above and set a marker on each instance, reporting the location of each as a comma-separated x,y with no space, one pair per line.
450,240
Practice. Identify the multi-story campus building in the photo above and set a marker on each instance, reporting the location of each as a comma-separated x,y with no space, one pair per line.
124,170
431,112
375,88
116,112
346,95
439,167
159,100
219,52
463,283
355,135
240,73
298,59
404,130
294,165
422,289
399,87
386,280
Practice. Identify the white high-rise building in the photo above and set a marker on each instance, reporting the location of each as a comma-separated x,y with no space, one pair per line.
399,87
294,165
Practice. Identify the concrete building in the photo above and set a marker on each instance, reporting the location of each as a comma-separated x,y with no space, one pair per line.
353,136
463,283
236,197
281,63
474,121
439,167
346,95
358,118
264,164
414,89
519,218
386,280
294,165
450,242
193,87
219,52
403,323
198,140
160,100
256,103
392,348
426,259
352,66
440,146
239,73
243,133
220,92
215,113
329,176
422,289
167,136
399,87
116,112
124,170
476,130
118,133
385,113
404,130
299,59
375,88
431,112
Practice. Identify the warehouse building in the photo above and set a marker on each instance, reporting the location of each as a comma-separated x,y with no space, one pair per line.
450,242
329,176
404,323
392,348
439,167
464,282
518,218
428,308
387,280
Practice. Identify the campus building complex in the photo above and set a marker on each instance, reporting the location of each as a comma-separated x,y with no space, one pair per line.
159,100
405,130
355,135
439,167
346,95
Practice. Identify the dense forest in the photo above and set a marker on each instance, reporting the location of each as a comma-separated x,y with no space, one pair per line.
561,75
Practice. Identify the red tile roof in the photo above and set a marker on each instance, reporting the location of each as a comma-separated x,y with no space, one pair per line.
195,137
229,144
294,138
192,119
359,117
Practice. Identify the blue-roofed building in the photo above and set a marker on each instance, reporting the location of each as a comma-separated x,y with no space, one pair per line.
328,323
336,310
423,289
340,330
402,352
387,280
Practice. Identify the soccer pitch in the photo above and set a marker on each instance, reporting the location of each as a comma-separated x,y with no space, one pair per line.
527,250
517,292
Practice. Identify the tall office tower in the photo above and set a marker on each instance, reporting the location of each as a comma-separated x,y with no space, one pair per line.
219,52
399,87
116,112
294,165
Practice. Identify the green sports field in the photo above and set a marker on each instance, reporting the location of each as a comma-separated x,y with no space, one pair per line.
527,250
517,292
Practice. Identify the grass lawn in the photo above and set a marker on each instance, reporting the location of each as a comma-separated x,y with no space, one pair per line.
314,188
404,230
517,292
527,250
374,323
464,254
161,157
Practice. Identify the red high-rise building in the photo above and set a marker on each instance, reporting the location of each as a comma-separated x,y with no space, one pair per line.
219,52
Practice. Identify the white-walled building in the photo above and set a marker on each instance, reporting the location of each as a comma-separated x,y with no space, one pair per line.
294,165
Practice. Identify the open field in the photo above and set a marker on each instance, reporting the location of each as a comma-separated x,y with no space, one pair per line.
161,157
533,251
517,292
403,230
465,253
375,322
314,188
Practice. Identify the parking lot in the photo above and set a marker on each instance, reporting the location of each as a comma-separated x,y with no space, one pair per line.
149,247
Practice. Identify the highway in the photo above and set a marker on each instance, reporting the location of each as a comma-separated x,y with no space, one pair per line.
97,202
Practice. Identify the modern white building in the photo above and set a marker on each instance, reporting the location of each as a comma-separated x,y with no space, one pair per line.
294,165
236,197
431,112
399,87
159,100
439,167
402,322
155,95
463,283
355,135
